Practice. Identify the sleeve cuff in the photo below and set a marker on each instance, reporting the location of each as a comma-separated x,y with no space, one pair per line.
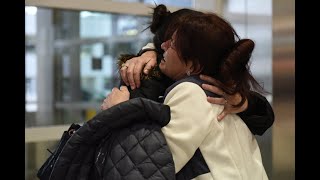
145,50
148,46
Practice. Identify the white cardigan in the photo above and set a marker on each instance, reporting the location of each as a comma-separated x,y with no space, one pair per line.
228,147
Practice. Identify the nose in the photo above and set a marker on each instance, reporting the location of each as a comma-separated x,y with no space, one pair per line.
164,45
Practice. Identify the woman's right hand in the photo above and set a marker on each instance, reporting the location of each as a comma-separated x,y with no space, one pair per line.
115,97
225,99
130,72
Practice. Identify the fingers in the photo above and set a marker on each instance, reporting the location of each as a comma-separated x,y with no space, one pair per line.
104,104
147,69
227,109
130,76
235,99
149,65
150,60
131,71
123,88
116,96
230,109
126,72
208,79
102,107
113,89
216,100
137,72
226,100
222,115
213,89
123,73
221,101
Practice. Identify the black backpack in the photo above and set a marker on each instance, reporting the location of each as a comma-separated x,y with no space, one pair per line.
45,170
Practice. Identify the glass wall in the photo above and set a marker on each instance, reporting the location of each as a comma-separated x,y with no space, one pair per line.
71,65
82,48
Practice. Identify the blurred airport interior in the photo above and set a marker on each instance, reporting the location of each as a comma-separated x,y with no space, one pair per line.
71,48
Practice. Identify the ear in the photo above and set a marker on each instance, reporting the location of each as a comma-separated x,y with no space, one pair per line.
190,66
194,69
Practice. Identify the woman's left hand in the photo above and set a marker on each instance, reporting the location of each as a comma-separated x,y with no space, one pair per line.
115,97
226,100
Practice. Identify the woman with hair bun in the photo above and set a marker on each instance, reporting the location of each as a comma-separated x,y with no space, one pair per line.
166,129
256,111
201,146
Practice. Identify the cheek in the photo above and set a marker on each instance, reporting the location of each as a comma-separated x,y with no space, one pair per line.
163,67
172,65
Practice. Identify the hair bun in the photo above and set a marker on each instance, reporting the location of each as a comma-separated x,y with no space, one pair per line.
160,13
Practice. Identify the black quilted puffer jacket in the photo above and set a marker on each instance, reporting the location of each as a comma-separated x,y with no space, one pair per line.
126,142
109,146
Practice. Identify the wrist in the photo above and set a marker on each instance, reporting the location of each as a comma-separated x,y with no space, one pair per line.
245,105
150,54
147,51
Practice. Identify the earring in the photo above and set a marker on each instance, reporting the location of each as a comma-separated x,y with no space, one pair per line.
188,73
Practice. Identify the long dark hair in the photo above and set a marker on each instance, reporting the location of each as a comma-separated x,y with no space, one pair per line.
211,43
216,50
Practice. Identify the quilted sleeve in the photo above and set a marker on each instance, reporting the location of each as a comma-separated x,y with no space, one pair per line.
100,126
132,110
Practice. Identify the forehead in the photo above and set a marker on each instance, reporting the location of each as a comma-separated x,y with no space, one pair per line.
170,37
